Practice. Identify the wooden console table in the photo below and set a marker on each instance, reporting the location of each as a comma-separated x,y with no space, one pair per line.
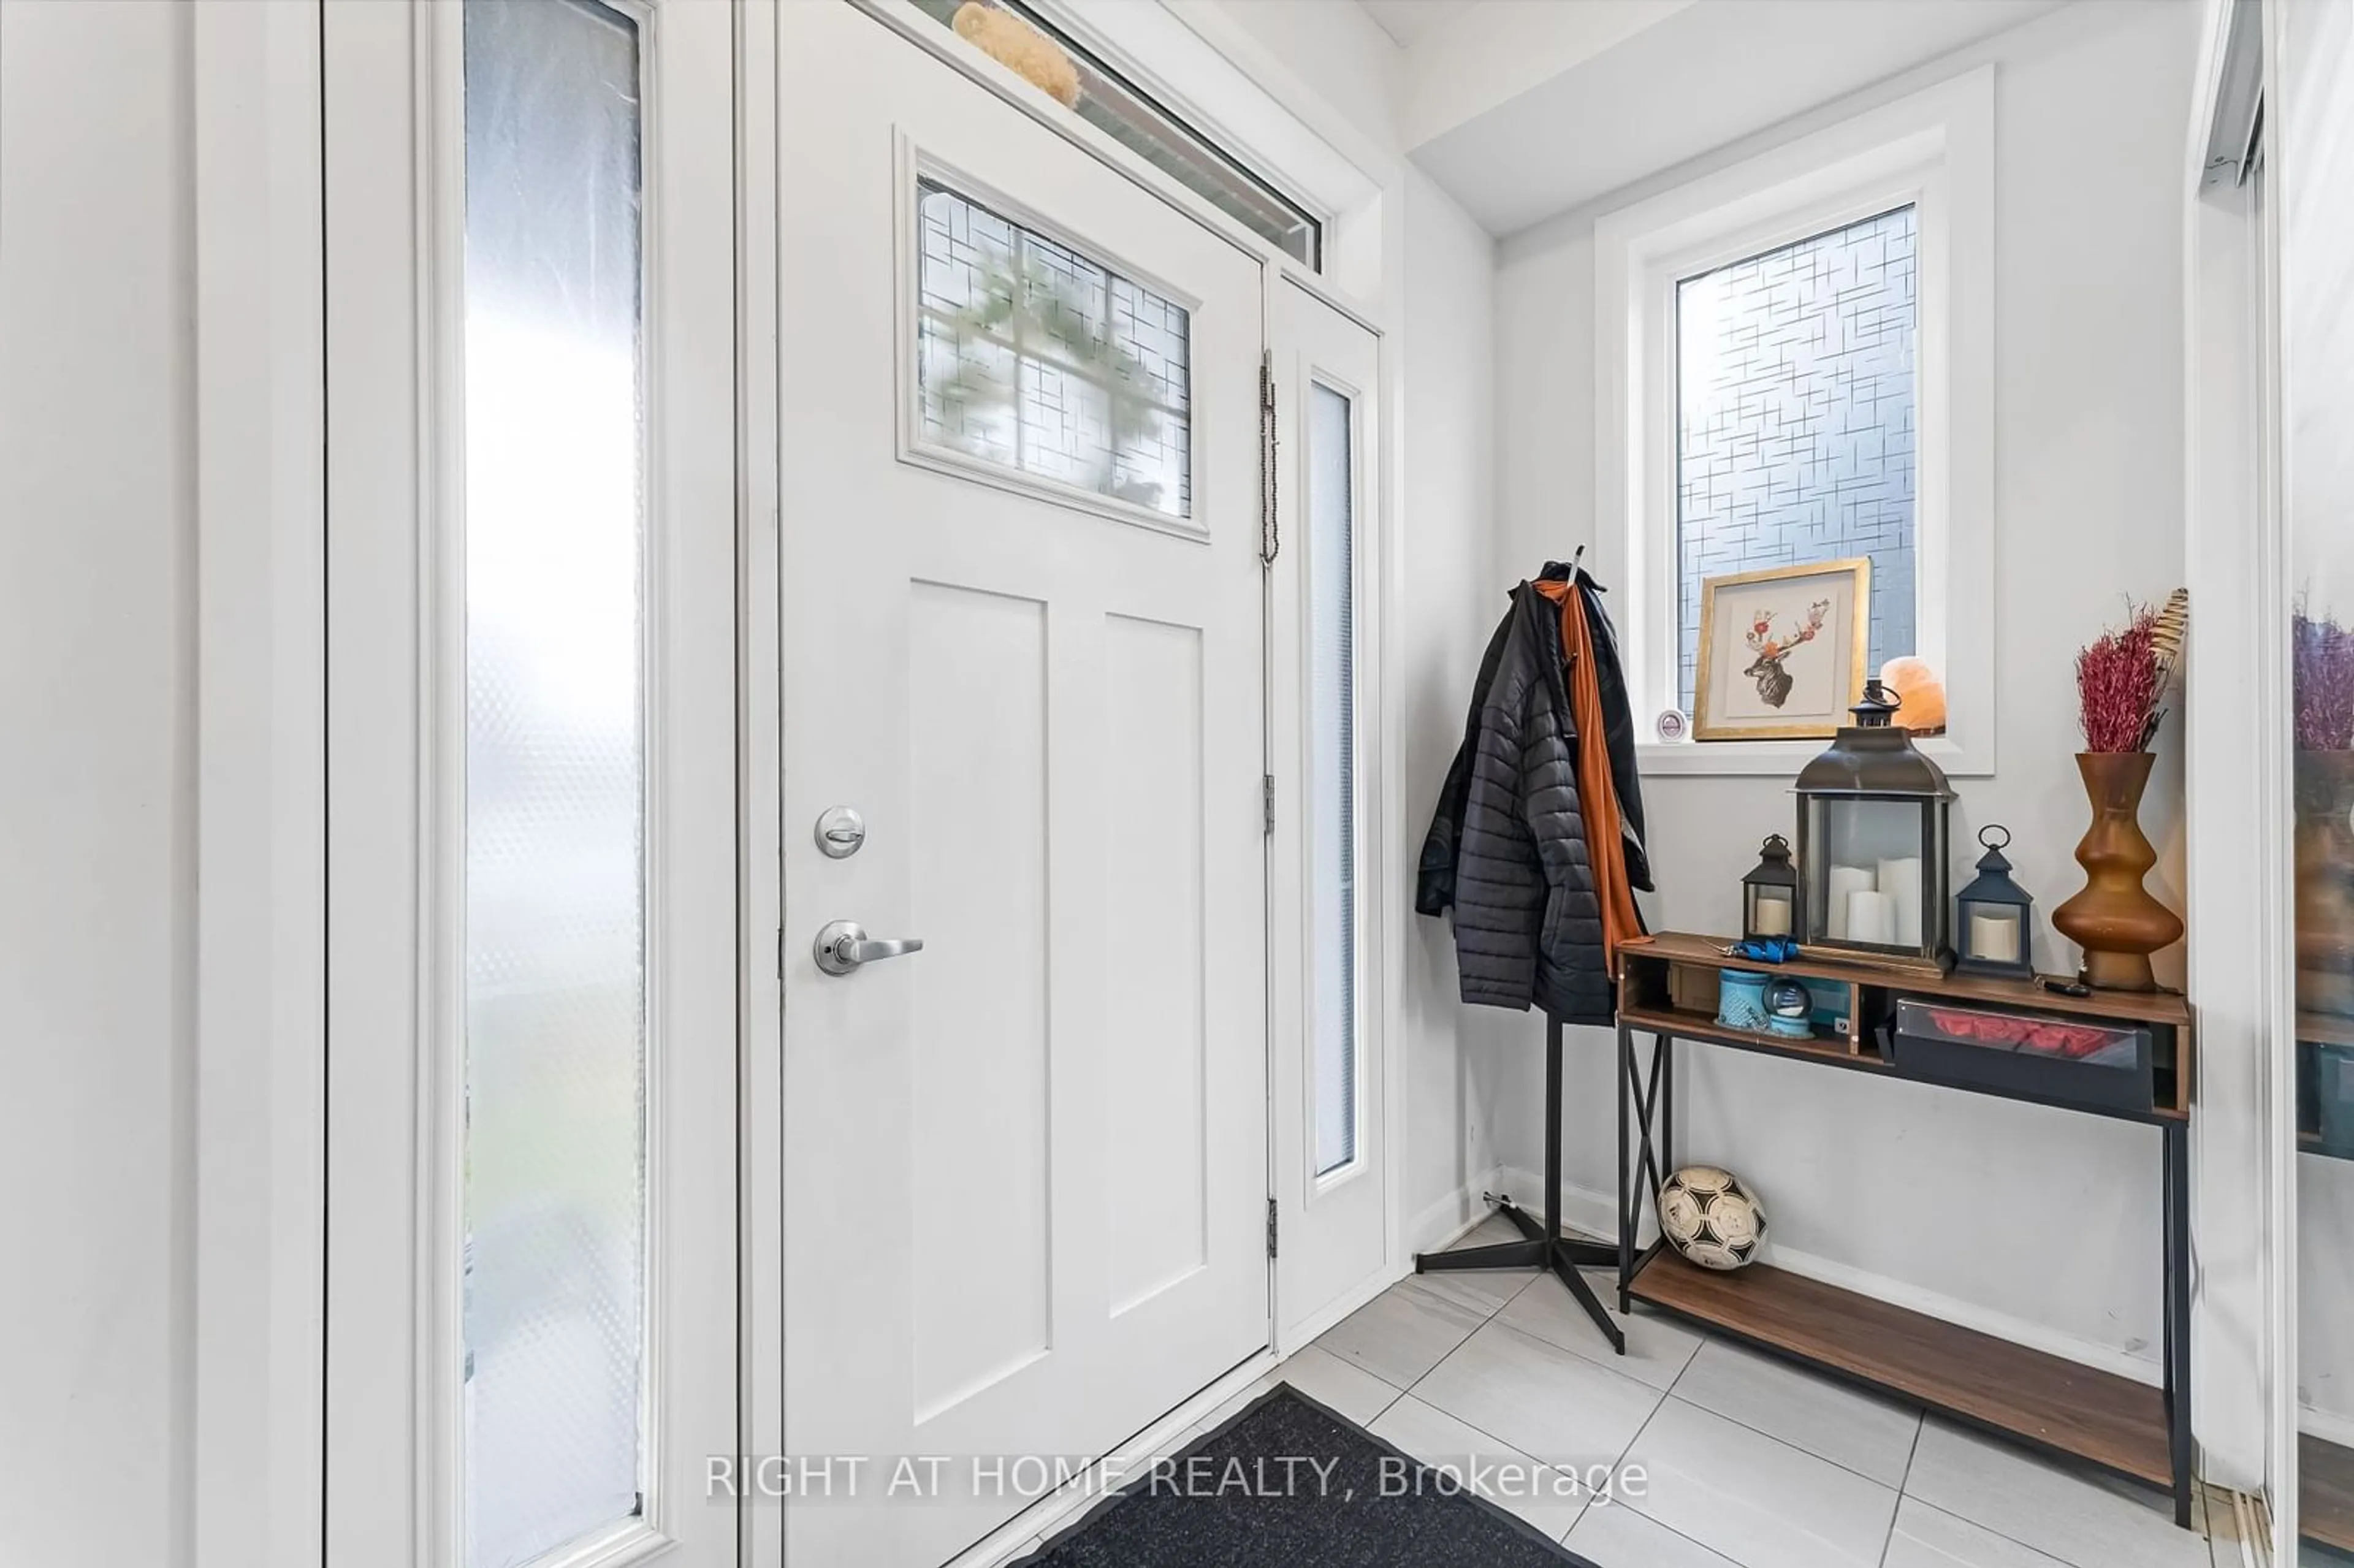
2045,1401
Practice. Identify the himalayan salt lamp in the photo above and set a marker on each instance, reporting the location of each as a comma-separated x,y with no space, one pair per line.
1924,708
1021,48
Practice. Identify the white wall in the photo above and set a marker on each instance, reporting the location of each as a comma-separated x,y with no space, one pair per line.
2023,1219
1453,596
1337,51
97,684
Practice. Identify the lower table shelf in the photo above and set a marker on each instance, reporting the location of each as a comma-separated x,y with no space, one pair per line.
2063,1405
2325,1492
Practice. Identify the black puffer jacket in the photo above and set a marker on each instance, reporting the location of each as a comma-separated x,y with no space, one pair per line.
1507,846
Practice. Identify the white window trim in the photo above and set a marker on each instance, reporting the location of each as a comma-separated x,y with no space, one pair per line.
1934,149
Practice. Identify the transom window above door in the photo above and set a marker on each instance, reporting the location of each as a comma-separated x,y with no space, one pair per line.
1039,360
1096,92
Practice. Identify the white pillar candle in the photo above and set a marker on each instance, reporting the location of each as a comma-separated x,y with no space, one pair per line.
1994,937
1870,916
1845,880
1901,880
1772,916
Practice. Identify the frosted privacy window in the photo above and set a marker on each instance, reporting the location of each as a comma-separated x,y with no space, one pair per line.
555,1034
1794,429
1332,773
1030,356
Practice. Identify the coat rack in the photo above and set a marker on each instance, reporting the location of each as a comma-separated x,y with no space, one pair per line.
1543,1246
1546,1246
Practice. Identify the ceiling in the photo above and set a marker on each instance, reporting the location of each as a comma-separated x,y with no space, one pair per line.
1409,21
1524,109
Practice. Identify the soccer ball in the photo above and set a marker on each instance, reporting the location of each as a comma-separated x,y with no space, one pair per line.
1711,1217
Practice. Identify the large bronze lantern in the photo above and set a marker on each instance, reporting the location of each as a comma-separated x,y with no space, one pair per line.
1872,846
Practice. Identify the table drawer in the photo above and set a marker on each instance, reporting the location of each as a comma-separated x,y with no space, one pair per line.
2044,1055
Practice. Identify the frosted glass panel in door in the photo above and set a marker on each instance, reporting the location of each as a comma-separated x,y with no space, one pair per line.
1332,773
555,770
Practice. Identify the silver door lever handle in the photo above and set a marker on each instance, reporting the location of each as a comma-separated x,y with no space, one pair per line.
842,944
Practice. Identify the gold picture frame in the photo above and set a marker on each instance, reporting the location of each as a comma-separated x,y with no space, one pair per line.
1825,611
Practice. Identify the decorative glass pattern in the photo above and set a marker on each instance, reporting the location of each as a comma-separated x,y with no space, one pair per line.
1795,430
554,792
1030,355
1332,772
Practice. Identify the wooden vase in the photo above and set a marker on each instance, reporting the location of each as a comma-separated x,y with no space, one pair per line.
2324,844
2114,919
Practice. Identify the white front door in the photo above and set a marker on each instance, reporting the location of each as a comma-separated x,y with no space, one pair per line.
1331,1144
1021,608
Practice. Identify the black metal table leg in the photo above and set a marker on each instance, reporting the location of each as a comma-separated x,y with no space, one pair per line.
1642,1171
1625,1203
1665,1044
1544,1246
2176,1136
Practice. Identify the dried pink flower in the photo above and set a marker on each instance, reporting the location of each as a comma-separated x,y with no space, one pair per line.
2117,686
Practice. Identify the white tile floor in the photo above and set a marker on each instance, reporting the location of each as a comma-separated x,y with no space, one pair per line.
1750,1462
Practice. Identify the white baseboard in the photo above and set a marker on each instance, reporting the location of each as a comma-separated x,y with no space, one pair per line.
1450,1219
1582,1209
2329,1426
1586,1210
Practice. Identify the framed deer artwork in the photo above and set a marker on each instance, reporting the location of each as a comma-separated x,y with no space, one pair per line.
1782,652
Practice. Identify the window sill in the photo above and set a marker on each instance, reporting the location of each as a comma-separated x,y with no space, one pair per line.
1783,758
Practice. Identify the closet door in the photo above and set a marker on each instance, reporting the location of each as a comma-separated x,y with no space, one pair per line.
1332,1176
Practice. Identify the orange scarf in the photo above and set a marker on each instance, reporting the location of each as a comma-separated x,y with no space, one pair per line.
1597,802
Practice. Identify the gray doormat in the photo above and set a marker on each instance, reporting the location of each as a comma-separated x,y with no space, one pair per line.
1290,1484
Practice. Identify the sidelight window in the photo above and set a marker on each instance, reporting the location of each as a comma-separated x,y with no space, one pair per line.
555,766
1332,771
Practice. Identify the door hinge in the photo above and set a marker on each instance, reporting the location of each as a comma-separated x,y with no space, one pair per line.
780,952
1270,537
1271,1227
1267,802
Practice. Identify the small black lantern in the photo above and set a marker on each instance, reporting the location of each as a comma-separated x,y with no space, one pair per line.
1872,846
1993,919
1769,894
